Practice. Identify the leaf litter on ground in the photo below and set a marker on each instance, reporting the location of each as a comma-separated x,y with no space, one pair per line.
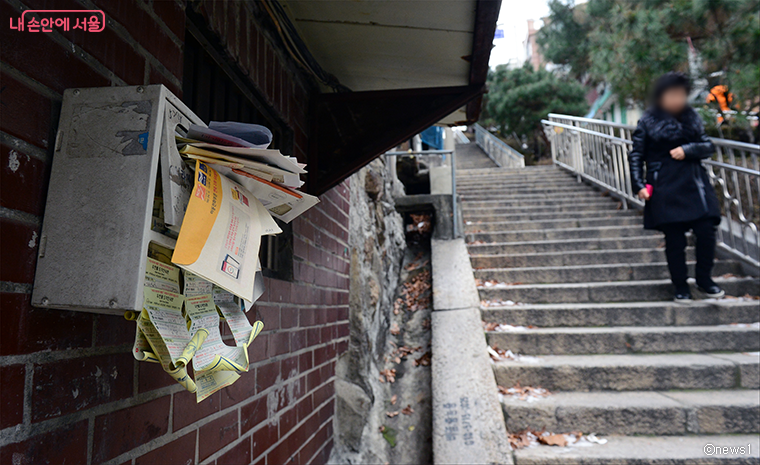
498,355
505,328
498,303
424,360
532,438
389,375
525,393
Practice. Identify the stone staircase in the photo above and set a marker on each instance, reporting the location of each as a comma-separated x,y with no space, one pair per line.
591,288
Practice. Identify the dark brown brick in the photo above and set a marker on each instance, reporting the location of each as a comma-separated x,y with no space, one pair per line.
65,445
23,181
19,252
284,453
288,318
324,393
24,329
123,430
12,380
172,15
279,291
269,315
114,330
314,444
187,410
152,376
262,439
304,408
252,414
257,351
298,340
217,434
156,77
266,375
279,343
289,367
240,454
146,31
68,386
288,420
179,451
244,388
305,361
26,114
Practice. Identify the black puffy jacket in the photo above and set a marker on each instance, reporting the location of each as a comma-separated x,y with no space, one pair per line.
682,190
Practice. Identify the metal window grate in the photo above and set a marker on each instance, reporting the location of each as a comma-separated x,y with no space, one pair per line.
215,90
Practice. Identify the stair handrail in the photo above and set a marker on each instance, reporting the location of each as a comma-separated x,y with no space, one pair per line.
596,151
497,150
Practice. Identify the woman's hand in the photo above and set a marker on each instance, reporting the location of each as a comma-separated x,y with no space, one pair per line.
678,153
644,194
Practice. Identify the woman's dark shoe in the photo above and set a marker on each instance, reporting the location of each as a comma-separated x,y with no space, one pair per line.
682,298
712,291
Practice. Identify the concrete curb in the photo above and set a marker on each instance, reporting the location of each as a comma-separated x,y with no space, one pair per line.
468,424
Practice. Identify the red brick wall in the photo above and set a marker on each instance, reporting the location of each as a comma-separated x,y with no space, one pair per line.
70,390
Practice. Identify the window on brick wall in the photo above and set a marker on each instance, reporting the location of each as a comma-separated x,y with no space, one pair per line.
214,89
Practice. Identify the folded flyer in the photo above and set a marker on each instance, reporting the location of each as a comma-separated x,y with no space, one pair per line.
283,203
221,233
278,175
269,157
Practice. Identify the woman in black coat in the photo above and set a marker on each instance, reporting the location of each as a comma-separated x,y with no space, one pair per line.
671,141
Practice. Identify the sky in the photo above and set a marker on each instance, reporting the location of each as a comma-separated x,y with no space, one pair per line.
513,19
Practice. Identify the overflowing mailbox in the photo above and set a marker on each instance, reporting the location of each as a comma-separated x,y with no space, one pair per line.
132,228
118,193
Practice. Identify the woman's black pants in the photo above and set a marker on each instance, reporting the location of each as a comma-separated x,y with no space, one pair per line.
675,250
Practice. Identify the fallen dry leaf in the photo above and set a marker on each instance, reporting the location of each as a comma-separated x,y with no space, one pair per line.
397,305
389,374
426,323
489,326
395,330
521,439
553,440
391,414
524,392
408,410
393,399
530,437
424,360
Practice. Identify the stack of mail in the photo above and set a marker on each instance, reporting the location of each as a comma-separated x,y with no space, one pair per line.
270,176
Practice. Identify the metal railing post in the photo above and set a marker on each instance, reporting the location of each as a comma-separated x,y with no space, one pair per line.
454,209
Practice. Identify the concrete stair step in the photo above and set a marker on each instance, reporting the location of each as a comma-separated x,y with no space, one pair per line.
700,312
570,195
626,291
649,450
562,223
499,185
506,173
513,192
636,412
486,216
537,206
628,339
633,372
560,233
572,258
594,273
548,246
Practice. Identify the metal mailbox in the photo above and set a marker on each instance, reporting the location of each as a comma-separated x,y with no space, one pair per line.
118,192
